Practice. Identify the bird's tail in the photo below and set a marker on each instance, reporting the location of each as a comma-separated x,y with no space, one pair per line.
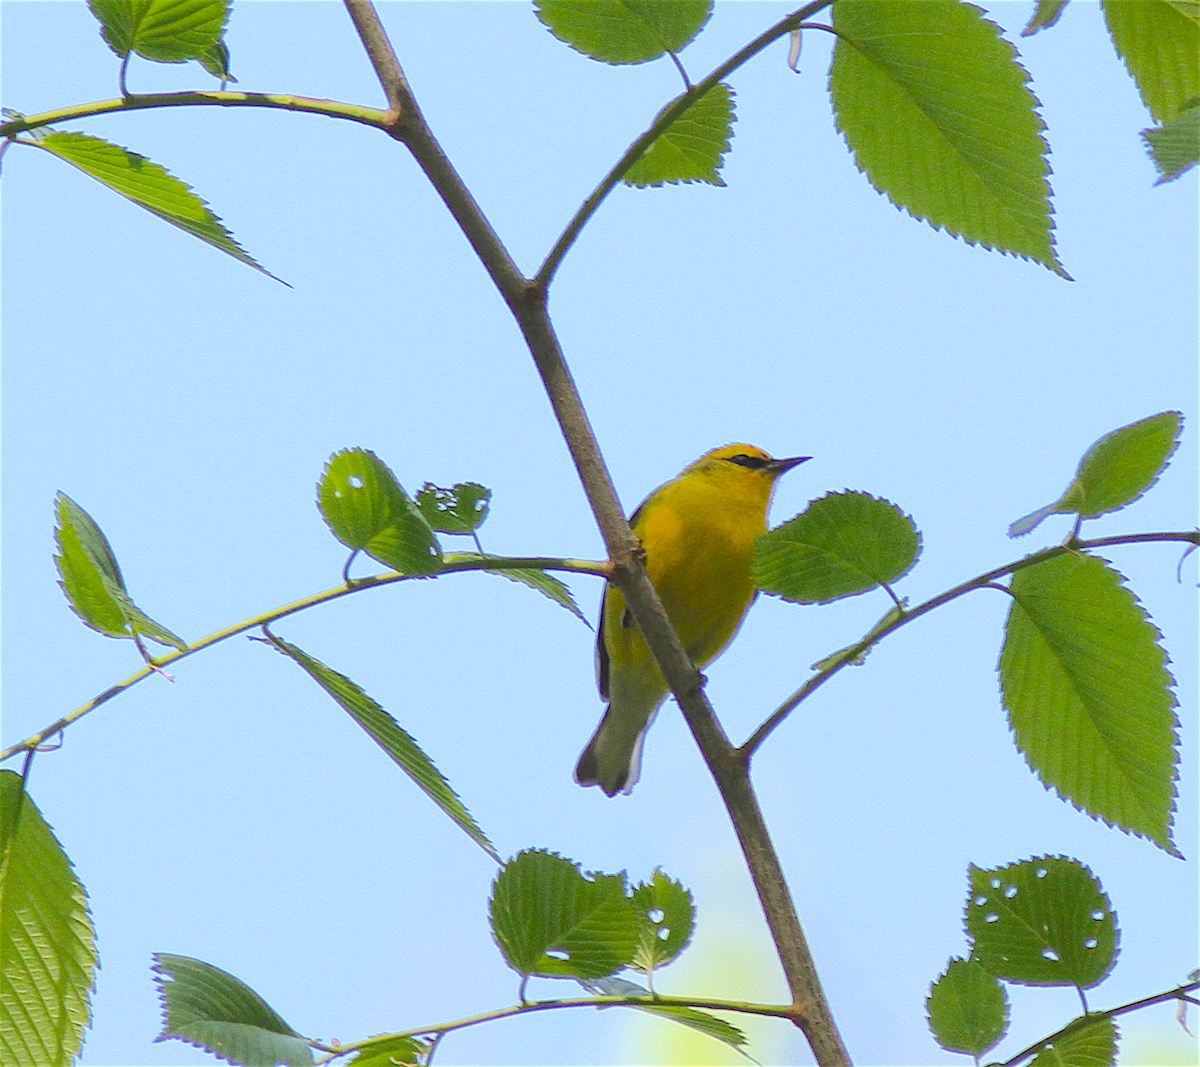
613,757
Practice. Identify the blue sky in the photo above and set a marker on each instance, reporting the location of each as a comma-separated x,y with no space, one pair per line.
189,404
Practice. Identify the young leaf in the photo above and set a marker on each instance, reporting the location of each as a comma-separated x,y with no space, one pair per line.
547,585
1115,471
668,915
392,738
393,1052
209,1008
1094,1045
697,1020
692,148
166,31
933,104
1045,15
967,1008
841,545
549,919
1175,146
1044,921
1159,41
149,186
47,943
366,508
461,509
1088,694
625,31
216,61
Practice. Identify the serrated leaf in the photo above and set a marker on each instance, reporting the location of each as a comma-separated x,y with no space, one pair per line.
166,31
216,61
668,915
967,1008
1117,470
366,508
91,579
1175,147
1094,1045
47,942
149,186
211,1009
693,147
624,31
393,1052
841,545
1045,15
460,509
1159,42
1088,694
933,104
546,584
392,738
697,1020
1043,921
549,919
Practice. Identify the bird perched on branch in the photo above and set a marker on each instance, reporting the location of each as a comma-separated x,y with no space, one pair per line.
698,534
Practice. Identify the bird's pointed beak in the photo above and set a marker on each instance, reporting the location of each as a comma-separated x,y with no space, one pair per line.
781,466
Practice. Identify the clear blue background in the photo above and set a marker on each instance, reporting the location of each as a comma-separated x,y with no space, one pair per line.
189,403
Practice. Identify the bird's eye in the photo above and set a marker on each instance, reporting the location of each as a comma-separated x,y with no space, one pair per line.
755,463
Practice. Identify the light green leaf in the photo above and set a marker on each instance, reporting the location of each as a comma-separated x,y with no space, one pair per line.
624,31
933,104
392,738
1044,921
967,1008
697,1020
166,31
668,915
393,1052
1088,694
1159,40
841,545
1092,1046
47,943
1115,471
149,186
1175,147
692,148
460,509
546,584
549,919
216,62
209,1008
1045,15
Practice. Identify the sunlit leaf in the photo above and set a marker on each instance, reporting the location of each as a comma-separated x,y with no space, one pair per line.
167,31
692,148
668,915
461,509
624,31
1175,147
1159,40
1094,1045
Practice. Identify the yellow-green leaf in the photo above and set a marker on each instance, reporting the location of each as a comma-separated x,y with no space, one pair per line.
692,148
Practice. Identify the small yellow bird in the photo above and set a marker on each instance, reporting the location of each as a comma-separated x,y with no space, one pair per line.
698,533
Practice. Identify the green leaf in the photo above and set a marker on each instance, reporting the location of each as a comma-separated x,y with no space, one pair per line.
697,1020
216,62
624,31
1092,1046
692,148
1088,694
1044,921
1115,471
392,738
166,31
546,584
668,915
933,104
549,919
47,943
209,1008
149,186
393,1052
91,579
367,509
1045,15
1159,41
460,509
1175,147
967,1008
841,545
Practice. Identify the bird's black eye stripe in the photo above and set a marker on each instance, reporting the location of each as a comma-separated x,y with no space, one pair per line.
755,463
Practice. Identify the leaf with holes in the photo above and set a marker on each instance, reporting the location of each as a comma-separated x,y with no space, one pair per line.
841,545
1088,694
624,31
1043,921
1094,1045
1159,41
166,31
692,148
549,919
668,915
460,509
967,1008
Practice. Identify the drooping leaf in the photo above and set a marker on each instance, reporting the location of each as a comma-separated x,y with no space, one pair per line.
47,943
149,186
967,1008
166,31
841,545
693,147
366,508
460,509
1043,921
546,584
1175,146
1094,1045
1088,694
1159,40
211,1009
668,915
1045,15
549,919
934,106
624,31
697,1020
392,738
1115,471
393,1052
